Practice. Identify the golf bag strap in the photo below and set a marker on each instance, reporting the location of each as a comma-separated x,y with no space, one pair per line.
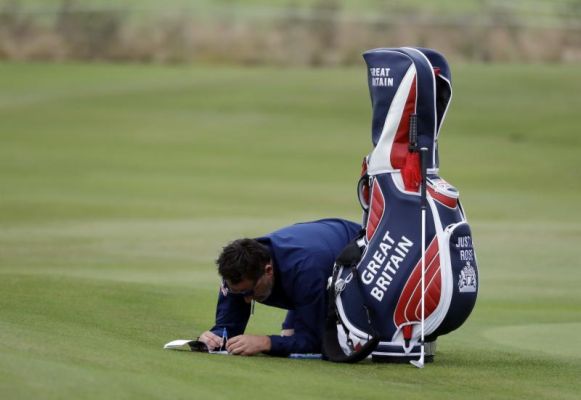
331,347
335,353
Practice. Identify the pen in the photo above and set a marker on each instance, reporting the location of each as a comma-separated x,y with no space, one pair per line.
224,338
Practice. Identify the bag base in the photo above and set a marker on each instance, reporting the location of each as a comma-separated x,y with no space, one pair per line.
395,354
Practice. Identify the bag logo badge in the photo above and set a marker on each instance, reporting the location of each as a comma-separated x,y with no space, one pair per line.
467,279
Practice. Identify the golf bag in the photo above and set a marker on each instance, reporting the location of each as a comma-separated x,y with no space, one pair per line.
375,299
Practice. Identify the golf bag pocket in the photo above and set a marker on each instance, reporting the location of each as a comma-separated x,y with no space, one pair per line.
460,276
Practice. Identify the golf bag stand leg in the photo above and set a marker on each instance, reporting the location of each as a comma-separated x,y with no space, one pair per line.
423,205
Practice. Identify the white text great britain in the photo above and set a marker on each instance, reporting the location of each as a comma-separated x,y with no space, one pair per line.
385,262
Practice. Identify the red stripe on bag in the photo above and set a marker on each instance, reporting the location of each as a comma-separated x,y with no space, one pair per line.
408,307
375,210
442,198
399,148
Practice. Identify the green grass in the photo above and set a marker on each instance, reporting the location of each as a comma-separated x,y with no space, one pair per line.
119,185
343,4
258,7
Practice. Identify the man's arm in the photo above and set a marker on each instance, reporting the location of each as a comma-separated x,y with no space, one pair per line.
248,345
306,338
309,316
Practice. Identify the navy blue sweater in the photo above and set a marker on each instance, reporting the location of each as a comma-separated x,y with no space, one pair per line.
303,257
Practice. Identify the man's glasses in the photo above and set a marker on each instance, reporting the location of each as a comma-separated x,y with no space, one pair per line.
243,293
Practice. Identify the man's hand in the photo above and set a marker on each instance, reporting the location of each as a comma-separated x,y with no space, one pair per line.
212,341
248,345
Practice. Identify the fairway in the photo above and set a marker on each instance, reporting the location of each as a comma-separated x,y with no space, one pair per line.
120,184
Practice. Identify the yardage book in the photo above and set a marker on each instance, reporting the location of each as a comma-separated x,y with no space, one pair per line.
191,345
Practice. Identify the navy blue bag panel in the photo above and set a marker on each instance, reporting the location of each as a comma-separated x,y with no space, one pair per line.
386,70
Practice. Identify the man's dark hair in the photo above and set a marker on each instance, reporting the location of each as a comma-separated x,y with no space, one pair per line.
243,259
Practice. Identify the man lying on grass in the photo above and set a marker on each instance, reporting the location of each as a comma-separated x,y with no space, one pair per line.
286,269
